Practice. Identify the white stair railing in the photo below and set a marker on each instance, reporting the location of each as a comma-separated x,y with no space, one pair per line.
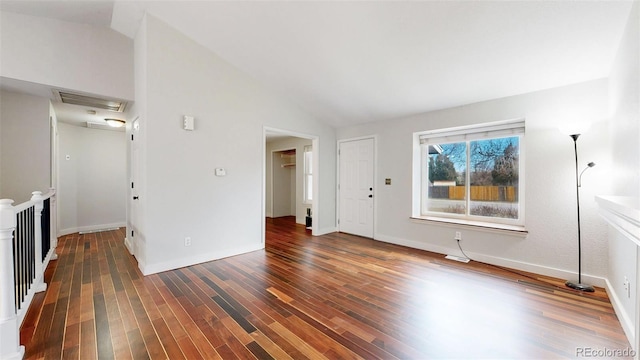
27,244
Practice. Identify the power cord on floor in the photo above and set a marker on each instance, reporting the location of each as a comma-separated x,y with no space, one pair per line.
462,251
510,270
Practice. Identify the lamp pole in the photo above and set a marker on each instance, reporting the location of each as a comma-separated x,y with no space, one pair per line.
579,285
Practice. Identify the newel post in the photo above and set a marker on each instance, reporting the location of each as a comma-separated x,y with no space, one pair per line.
9,330
37,198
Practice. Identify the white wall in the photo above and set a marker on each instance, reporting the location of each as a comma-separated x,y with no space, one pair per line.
300,208
136,210
624,102
624,129
180,194
551,245
24,146
54,146
92,182
66,55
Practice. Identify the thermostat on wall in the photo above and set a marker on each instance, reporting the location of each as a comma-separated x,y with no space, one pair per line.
188,122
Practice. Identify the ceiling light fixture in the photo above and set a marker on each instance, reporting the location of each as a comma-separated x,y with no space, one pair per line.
115,122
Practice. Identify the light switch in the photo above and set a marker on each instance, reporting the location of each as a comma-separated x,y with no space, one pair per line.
221,172
188,123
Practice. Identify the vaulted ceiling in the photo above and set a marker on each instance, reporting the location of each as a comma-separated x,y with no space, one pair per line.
354,62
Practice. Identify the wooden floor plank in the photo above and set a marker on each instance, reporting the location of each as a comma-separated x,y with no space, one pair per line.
306,297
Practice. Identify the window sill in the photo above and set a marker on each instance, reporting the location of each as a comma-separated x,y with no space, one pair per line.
515,230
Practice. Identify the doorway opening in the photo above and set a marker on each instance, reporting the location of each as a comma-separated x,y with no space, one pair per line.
289,182
284,184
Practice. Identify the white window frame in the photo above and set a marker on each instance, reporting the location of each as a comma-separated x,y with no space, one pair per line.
307,175
499,129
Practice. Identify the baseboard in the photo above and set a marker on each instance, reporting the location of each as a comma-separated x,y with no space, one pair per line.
128,245
148,269
325,231
417,245
74,230
624,318
493,260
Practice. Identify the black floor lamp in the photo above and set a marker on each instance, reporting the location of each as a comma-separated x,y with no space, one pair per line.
579,285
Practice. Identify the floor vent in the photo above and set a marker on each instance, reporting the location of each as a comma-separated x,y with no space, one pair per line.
96,231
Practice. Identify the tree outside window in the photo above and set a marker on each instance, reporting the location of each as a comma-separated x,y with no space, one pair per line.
477,178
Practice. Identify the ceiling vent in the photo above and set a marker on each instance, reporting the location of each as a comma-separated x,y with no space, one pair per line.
90,101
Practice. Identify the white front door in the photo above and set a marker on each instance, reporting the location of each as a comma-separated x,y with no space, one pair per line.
356,187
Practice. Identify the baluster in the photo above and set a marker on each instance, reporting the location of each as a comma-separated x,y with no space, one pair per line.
9,330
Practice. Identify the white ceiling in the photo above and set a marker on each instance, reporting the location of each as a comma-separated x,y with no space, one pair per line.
354,62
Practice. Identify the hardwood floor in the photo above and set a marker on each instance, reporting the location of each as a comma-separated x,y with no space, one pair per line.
336,296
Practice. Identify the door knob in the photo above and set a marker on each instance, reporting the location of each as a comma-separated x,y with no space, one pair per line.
135,198
370,195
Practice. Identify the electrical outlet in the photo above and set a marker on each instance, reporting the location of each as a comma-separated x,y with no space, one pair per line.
458,236
187,241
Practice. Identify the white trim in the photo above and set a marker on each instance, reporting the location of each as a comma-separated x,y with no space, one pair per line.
133,207
129,245
197,259
305,173
68,231
495,228
469,132
315,224
493,260
623,213
315,143
625,320
325,231
270,190
24,206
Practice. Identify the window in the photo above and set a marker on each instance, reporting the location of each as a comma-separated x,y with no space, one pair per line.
474,173
308,175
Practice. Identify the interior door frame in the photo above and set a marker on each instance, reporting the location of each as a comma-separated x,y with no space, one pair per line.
375,176
315,143
133,189
270,190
